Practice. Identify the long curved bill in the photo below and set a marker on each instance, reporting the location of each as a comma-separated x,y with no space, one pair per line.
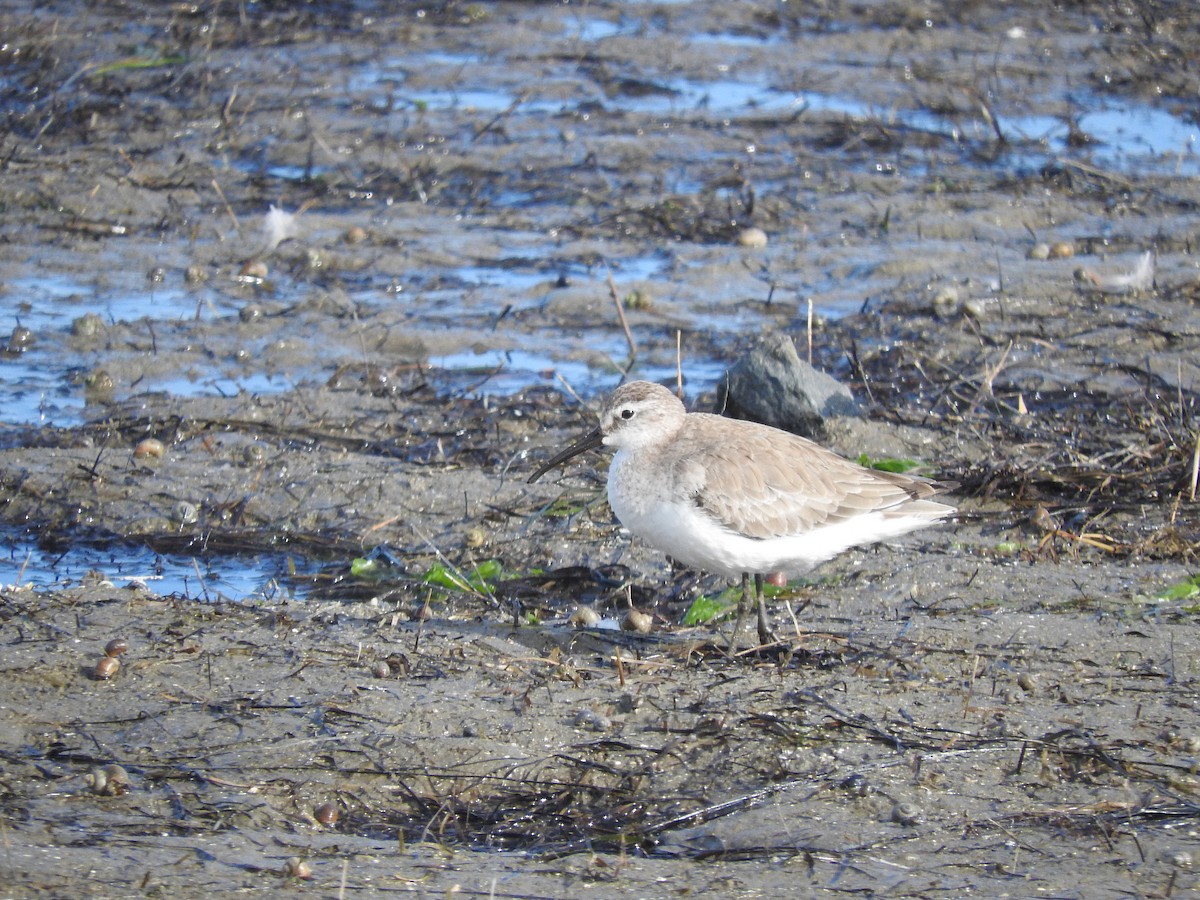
589,441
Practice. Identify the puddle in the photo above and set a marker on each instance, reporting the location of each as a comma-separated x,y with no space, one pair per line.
225,386
37,393
249,578
592,30
43,389
53,301
1127,136
505,372
521,274
483,99
42,386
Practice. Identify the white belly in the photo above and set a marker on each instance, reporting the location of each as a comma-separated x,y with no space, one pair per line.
688,534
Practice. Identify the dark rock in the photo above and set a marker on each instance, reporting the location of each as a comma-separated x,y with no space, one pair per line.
774,386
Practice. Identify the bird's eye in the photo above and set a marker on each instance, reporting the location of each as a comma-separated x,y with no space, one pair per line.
627,414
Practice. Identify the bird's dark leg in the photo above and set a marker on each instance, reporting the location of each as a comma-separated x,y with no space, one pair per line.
765,635
744,604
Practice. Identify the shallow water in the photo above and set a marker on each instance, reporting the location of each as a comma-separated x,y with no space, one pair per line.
239,579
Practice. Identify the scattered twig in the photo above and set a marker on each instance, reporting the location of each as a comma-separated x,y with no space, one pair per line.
568,388
491,123
384,524
810,330
227,108
1195,466
612,290
989,375
679,370
29,556
228,209
203,584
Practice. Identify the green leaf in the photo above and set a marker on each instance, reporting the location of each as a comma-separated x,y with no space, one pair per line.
477,580
488,571
706,609
444,576
888,464
362,567
1184,590
709,609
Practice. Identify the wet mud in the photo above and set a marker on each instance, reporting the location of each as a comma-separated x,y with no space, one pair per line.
465,195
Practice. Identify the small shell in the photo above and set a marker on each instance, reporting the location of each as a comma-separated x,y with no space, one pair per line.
753,238
584,617
106,667
108,781
116,647
295,867
1181,859
1040,250
1061,250
977,309
1041,519
637,621
381,669
185,513
327,814
946,303
149,448
355,234
591,720
906,813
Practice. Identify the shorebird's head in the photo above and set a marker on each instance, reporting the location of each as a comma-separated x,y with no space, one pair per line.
638,414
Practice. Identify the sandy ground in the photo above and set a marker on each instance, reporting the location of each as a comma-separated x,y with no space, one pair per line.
1003,706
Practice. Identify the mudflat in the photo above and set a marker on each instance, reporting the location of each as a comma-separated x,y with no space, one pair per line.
485,217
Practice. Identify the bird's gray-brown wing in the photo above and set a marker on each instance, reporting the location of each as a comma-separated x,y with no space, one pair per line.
763,483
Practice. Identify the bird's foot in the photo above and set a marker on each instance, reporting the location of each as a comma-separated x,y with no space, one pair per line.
765,634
